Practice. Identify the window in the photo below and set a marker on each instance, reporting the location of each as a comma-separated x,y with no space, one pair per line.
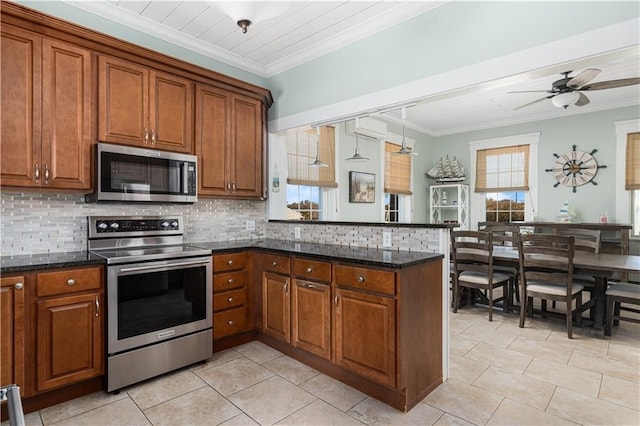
632,177
303,147
391,208
505,206
304,202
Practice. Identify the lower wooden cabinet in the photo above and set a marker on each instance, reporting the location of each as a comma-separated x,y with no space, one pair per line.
365,335
311,317
276,302
12,332
231,302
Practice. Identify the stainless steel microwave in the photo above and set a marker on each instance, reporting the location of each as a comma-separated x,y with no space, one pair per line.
146,175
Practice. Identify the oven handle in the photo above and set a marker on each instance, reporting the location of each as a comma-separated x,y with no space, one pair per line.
169,266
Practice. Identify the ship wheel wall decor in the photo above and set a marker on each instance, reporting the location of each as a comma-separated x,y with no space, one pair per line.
575,168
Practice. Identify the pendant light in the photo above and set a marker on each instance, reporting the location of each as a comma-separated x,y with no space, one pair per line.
356,156
317,162
404,150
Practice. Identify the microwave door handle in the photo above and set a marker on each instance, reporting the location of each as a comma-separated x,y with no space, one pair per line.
185,177
163,267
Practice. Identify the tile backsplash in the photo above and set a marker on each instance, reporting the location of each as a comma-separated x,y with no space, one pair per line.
33,223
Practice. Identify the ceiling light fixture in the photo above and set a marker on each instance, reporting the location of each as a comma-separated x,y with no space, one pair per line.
404,150
356,156
244,24
317,162
563,100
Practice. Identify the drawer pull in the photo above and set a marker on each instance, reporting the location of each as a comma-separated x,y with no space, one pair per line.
274,263
19,286
308,285
71,282
309,269
97,306
230,280
230,262
230,322
230,300
361,279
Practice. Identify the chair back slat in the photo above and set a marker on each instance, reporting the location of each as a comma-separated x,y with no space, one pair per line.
472,251
503,234
585,239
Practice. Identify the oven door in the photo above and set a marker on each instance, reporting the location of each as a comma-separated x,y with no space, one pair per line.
156,301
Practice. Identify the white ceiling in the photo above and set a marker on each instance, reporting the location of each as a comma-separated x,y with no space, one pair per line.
286,34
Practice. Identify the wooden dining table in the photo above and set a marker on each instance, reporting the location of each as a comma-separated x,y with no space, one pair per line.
602,267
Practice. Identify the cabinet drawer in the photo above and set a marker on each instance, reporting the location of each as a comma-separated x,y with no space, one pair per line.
229,280
312,269
68,281
277,264
229,299
229,322
229,262
366,279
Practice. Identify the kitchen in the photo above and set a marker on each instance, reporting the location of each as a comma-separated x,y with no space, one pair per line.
42,222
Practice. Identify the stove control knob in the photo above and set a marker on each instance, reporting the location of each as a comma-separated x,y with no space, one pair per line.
115,226
102,226
174,224
165,224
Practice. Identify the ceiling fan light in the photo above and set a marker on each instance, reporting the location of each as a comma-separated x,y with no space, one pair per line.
563,100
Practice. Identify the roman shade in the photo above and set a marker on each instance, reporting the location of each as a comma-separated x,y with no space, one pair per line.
302,148
632,162
502,169
397,171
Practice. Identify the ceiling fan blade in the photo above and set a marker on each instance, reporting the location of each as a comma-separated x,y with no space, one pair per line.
583,78
582,100
534,102
612,84
531,91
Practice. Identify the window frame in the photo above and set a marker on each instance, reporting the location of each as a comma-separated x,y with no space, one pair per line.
624,198
477,200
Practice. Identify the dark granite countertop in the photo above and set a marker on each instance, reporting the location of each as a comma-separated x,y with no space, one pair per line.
364,256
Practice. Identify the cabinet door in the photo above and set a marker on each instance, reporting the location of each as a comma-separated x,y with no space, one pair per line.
123,102
171,112
311,317
275,306
20,77
247,155
66,116
12,327
69,339
212,133
365,335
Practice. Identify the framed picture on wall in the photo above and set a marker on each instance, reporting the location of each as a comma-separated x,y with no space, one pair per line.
362,187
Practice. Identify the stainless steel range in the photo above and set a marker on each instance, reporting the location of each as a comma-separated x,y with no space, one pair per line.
159,295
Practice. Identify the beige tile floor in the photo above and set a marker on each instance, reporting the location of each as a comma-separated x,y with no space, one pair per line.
500,374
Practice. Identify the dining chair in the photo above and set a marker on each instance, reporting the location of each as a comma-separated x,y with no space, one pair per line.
586,240
618,293
473,264
546,272
503,234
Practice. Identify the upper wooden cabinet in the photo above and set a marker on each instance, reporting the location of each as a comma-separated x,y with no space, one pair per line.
229,143
144,107
12,335
45,131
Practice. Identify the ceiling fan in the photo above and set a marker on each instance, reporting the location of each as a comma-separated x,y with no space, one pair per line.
568,90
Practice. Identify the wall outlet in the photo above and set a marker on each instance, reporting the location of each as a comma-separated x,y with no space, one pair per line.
386,239
296,232
251,225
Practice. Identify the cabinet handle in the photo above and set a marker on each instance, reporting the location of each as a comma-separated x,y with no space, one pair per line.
227,186
230,280
309,269
36,173
361,279
97,306
310,285
274,263
230,262
286,287
153,137
230,300
19,286
230,322
46,174
335,300
146,136
71,282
